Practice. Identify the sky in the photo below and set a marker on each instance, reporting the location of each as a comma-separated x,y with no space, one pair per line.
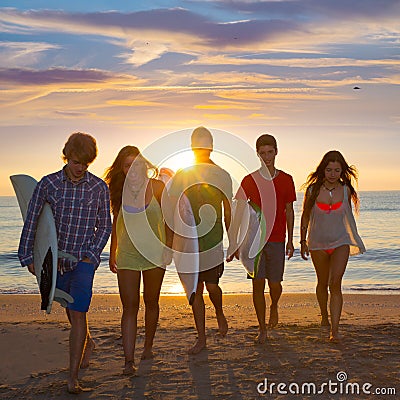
136,72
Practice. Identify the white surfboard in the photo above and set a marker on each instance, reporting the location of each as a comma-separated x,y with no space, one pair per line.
252,232
186,247
45,249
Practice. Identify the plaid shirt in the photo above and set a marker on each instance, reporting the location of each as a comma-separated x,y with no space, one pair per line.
81,213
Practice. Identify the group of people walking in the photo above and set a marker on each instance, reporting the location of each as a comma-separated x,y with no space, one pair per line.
143,237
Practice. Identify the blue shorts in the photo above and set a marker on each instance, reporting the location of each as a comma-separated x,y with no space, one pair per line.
78,283
272,262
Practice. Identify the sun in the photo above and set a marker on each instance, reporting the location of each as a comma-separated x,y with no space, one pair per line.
178,161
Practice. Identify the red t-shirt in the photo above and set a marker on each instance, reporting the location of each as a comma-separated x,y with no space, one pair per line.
271,197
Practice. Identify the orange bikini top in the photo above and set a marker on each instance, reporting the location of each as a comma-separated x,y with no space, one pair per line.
329,207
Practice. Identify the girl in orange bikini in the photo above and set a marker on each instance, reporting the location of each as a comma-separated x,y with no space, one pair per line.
328,231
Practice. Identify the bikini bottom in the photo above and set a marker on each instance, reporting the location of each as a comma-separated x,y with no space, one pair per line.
329,251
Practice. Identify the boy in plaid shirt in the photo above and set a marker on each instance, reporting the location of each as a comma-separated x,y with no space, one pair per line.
81,207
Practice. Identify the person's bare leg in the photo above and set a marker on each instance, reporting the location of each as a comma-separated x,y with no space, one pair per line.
90,345
275,291
199,314
338,263
215,293
77,339
129,291
259,306
320,261
152,281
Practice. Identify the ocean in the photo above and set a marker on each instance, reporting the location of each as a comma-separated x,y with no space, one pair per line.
376,271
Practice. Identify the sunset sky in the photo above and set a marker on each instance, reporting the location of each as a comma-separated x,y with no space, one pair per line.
131,72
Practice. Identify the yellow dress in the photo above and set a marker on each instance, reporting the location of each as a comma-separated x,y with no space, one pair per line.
140,238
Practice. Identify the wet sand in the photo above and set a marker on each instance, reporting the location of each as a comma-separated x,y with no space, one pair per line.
34,351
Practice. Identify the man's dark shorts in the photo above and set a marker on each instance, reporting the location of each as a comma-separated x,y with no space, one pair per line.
272,262
212,275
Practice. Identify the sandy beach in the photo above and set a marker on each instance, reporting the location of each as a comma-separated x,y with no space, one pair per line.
34,351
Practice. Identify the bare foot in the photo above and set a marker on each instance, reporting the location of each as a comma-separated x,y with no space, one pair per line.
76,388
335,338
147,354
129,368
198,347
273,316
261,337
325,321
222,324
90,346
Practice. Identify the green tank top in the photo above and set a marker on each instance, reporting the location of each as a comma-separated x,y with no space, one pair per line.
140,238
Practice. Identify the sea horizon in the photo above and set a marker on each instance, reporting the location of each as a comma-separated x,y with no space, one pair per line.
376,271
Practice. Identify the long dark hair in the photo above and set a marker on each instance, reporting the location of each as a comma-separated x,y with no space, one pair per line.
115,177
316,179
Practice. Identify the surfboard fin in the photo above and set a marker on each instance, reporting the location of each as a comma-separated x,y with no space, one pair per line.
62,254
62,297
61,301
191,298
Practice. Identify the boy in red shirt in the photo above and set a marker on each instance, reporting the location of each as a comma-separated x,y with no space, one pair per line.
273,191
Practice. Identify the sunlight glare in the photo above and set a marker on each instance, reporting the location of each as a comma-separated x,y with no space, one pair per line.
179,160
176,289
